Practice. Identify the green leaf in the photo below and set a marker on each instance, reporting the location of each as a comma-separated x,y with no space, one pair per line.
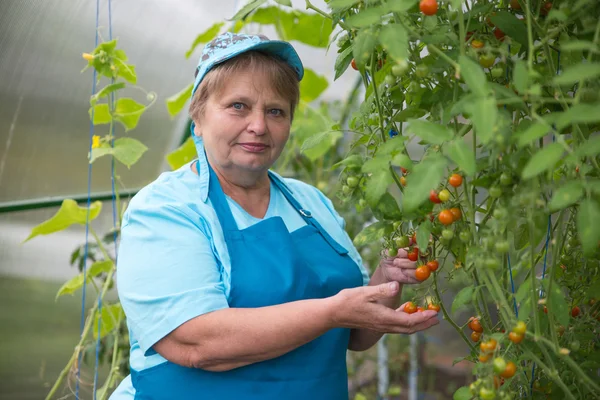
484,114
557,303
68,214
409,113
372,233
286,3
312,85
364,43
128,112
474,76
392,146
247,9
580,113
205,37
532,133
579,45
387,208
589,148
127,72
340,4
425,176
543,160
100,114
126,150
578,73
400,6
588,227
463,393
462,298
111,315
182,155
76,282
106,90
511,26
402,160
319,144
176,102
394,39
352,161
342,61
378,164
423,232
567,195
462,155
377,186
520,76
365,18
429,131
360,396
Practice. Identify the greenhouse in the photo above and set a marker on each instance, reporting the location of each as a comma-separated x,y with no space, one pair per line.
323,199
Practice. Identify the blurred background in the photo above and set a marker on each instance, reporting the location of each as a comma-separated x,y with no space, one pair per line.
44,140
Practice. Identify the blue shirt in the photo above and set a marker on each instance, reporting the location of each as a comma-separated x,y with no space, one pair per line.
173,263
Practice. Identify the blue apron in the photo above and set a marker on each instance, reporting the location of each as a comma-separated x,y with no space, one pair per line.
270,266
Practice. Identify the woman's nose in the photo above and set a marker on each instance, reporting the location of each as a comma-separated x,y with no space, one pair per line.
257,123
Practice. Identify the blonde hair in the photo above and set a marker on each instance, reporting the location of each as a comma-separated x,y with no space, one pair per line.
283,77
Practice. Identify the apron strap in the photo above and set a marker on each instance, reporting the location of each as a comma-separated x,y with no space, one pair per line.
307,215
219,202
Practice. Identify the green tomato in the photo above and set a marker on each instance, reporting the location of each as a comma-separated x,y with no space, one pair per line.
499,213
352,181
495,192
444,195
502,247
447,234
499,365
492,263
487,394
575,345
322,185
413,87
362,203
392,252
400,68
396,225
390,80
422,71
497,72
505,179
346,189
487,60
464,236
402,242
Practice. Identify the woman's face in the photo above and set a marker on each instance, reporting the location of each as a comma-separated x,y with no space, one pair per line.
246,125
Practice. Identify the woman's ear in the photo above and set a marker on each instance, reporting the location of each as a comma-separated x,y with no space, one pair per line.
197,129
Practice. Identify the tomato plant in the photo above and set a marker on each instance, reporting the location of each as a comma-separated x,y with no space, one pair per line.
495,117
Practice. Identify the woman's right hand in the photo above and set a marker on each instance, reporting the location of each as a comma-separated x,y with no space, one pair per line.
358,308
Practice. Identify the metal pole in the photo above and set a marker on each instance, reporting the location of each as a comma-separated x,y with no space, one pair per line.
414,366
383,375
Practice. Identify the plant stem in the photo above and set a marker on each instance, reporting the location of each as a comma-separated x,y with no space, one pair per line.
444,56
552,374
376,93
529,36
310,6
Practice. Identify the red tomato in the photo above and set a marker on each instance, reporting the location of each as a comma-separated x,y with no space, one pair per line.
433,265
433,307
475,325
433,197
499,34
455,180
410,308
446,217
575,311
353,63
422,273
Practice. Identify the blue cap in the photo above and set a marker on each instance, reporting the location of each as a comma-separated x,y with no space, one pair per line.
228,45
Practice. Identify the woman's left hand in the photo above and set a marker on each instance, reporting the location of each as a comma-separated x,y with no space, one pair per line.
399,268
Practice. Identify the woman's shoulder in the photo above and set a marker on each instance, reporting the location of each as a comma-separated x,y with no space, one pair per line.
309,196
179,188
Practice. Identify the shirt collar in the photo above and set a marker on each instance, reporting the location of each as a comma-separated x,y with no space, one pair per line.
204,174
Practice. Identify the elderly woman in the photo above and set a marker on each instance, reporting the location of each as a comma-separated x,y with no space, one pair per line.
238,283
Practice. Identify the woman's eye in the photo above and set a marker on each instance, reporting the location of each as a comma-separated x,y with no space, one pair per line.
276,112
237,106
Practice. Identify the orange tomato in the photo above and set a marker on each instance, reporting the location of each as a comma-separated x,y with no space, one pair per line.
476,44
428,7
410,308
455,180
489,346
433,265
403,181
446,217
510,370
433,307
516,338
475,336
353,63
422,273
475,325
456,213
483,357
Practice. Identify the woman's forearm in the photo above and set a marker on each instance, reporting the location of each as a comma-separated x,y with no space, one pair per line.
235,337
363,339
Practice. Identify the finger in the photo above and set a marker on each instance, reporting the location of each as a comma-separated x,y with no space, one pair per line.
404,263
402,253
422,326
401,275
382,291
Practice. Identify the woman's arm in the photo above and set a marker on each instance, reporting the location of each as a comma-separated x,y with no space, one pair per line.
234,337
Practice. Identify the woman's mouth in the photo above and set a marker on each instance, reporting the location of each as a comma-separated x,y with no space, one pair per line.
253,147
